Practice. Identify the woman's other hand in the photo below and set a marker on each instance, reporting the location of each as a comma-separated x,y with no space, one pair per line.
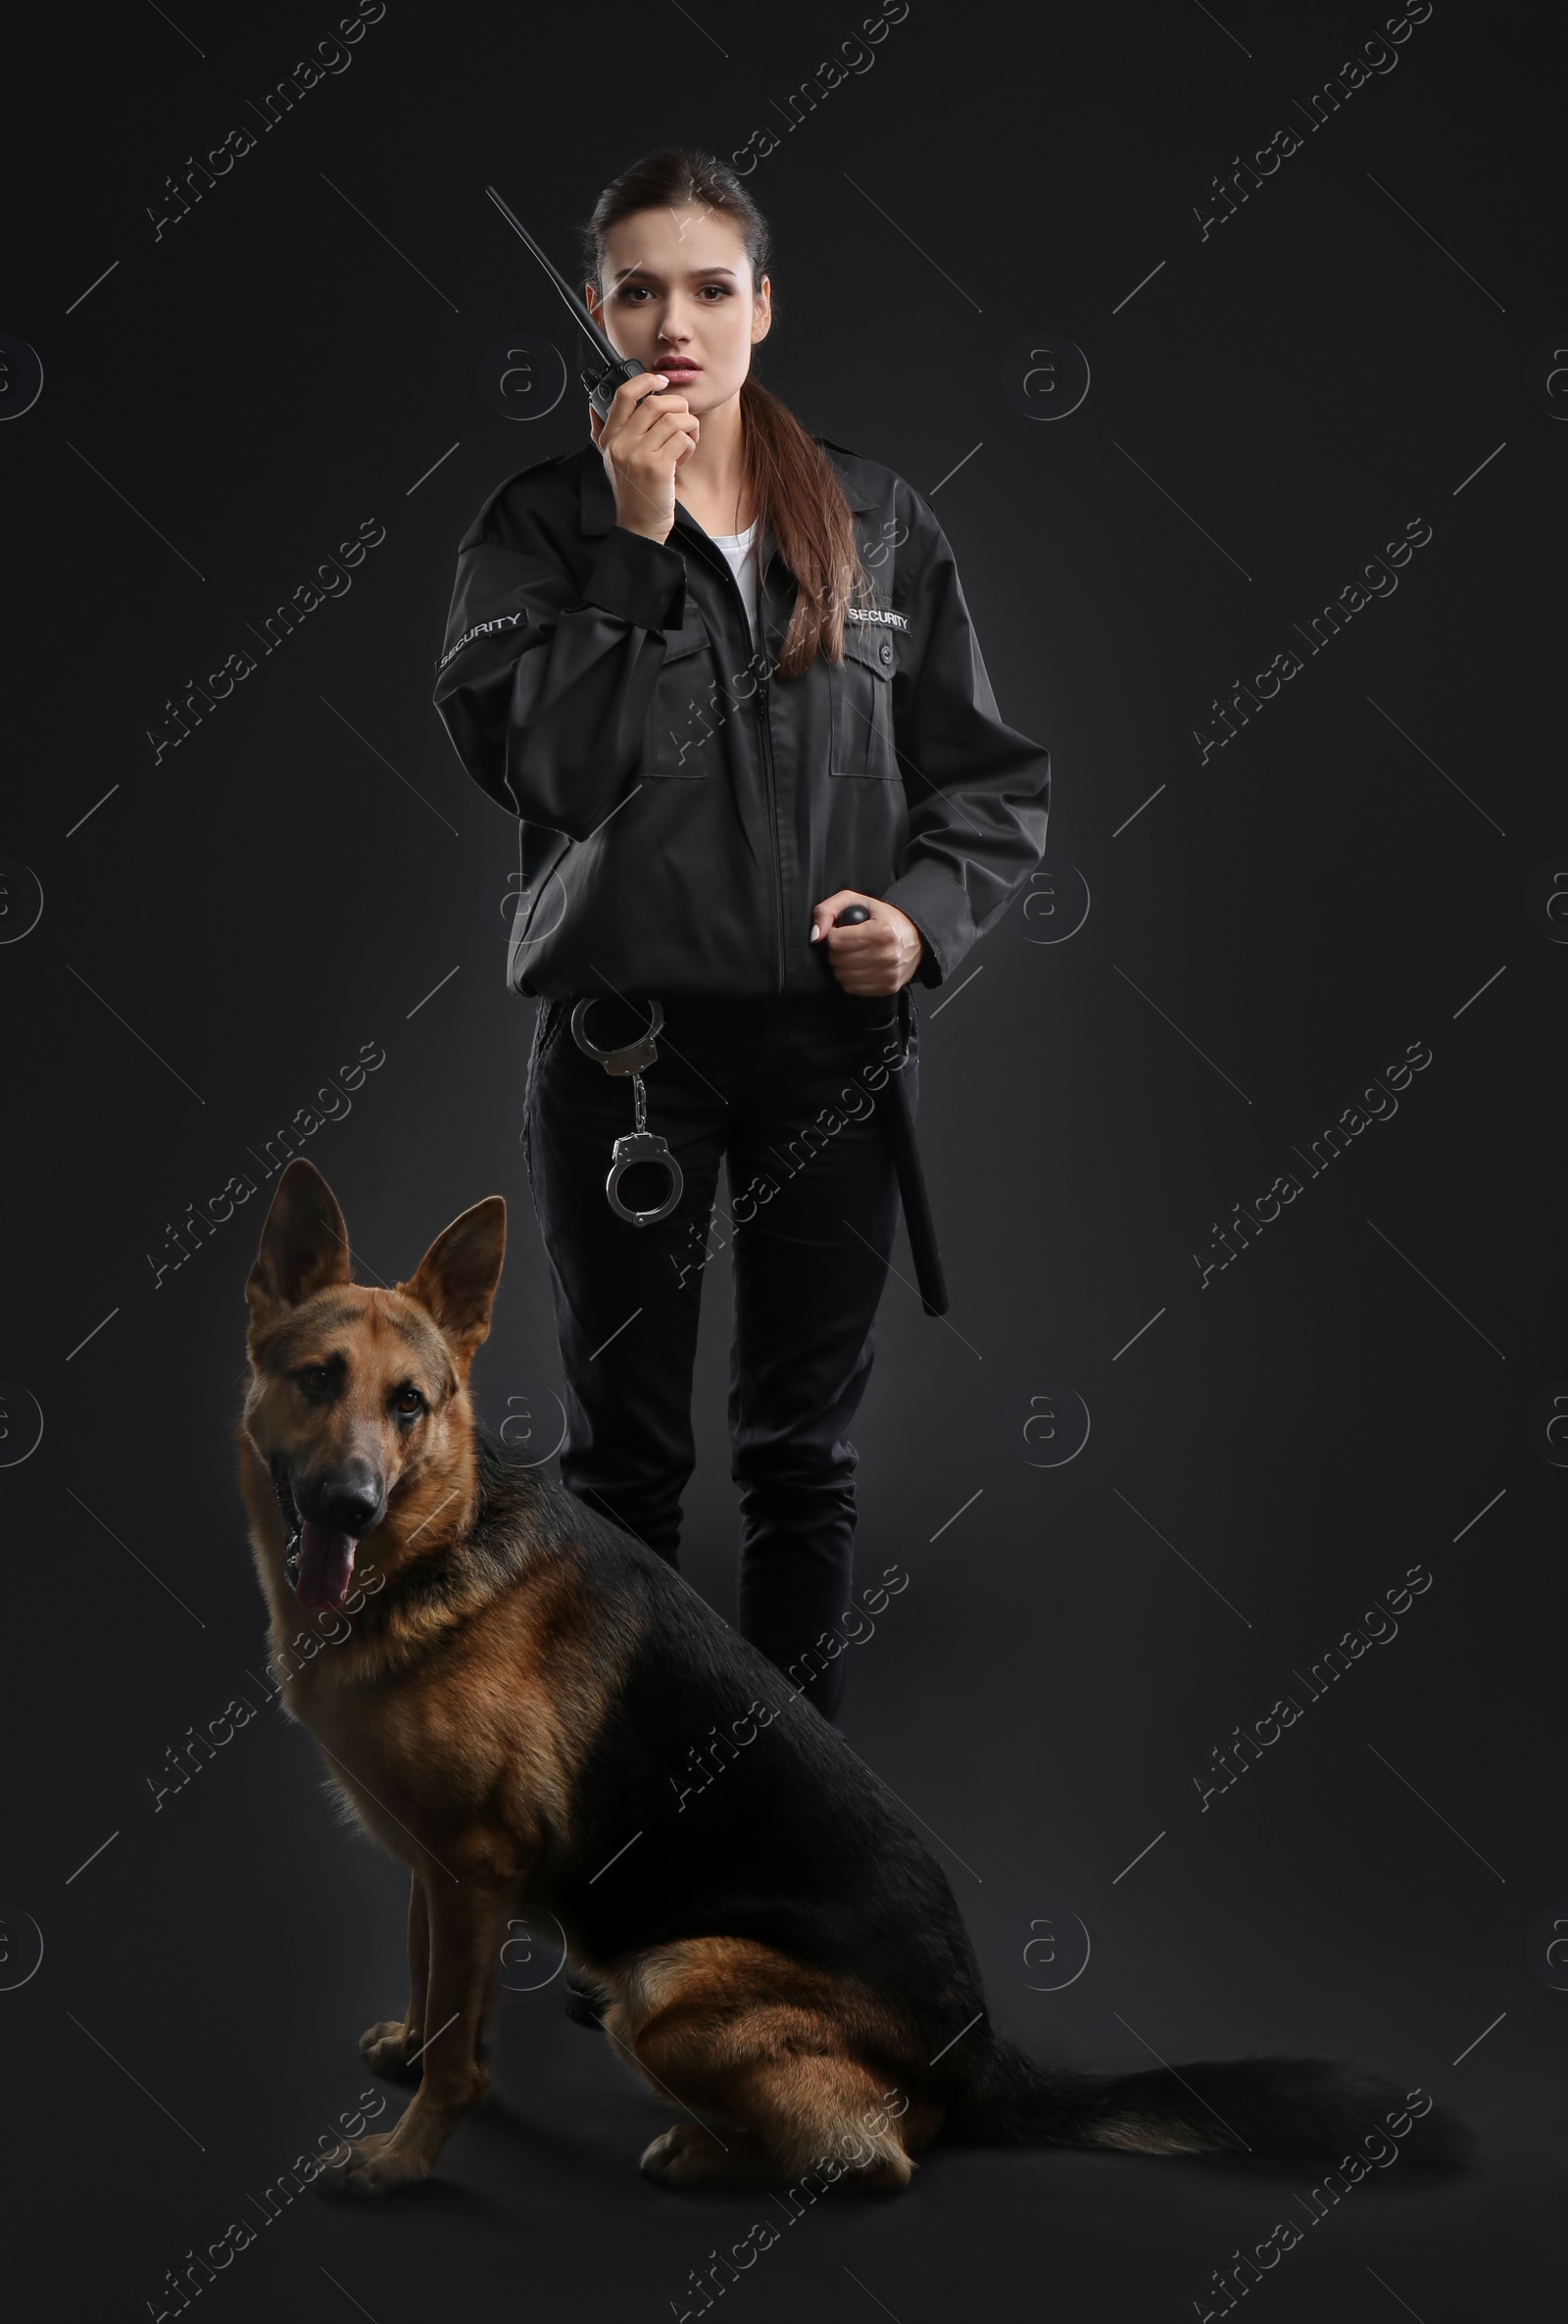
875,956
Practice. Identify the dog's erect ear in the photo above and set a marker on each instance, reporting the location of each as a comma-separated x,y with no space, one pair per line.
305,1245
458,1275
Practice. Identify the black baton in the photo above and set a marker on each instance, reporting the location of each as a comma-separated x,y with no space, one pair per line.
880,1017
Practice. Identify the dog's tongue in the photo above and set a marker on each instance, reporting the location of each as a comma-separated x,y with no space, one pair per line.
326,1561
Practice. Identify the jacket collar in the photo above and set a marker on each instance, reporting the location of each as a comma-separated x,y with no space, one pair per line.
861,499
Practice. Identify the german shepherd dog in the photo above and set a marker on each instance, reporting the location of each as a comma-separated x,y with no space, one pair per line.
505,1712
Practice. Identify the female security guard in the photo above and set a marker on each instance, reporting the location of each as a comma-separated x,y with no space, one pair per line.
724,673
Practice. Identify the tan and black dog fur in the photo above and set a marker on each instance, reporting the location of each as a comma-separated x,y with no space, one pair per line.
505,1713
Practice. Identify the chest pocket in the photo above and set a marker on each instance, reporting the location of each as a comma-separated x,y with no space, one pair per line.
862,702
685,714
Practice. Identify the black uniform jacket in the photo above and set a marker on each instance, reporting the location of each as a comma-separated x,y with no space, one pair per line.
682,806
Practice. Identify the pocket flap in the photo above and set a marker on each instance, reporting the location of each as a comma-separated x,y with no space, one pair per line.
689,639
872,644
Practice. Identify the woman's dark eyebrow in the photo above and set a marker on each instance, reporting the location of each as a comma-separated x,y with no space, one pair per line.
653,274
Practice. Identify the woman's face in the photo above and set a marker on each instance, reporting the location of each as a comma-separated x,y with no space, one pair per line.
678,295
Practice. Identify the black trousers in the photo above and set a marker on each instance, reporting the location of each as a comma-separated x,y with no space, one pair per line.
784,1092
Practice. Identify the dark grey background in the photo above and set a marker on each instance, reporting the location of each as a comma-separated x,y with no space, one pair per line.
1270,930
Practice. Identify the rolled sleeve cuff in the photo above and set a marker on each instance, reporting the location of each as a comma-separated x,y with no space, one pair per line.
940,909
639,580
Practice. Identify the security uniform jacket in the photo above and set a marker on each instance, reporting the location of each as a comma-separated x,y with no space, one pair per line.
683,808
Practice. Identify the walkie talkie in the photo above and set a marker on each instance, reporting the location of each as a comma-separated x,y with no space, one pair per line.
613,370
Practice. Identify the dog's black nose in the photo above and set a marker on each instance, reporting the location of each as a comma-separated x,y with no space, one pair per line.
352,1500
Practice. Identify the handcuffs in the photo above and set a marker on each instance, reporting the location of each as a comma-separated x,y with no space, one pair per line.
642,1145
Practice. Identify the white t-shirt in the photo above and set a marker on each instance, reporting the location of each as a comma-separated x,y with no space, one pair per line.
741,550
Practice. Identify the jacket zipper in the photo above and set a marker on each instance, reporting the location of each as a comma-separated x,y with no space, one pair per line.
766,732
769,782
772,824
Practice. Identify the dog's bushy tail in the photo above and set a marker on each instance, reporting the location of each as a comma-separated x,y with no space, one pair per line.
1282,2107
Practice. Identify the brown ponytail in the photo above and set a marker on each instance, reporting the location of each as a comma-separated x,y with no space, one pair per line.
792,482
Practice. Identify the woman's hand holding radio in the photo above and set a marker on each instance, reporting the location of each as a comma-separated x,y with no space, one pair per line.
648,434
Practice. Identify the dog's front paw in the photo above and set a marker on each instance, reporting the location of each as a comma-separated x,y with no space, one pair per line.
687,2155
371,2165
388,2046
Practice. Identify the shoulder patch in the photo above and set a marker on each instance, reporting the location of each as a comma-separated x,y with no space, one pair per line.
481,629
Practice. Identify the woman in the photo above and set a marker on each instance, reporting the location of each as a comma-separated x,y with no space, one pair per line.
724,674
